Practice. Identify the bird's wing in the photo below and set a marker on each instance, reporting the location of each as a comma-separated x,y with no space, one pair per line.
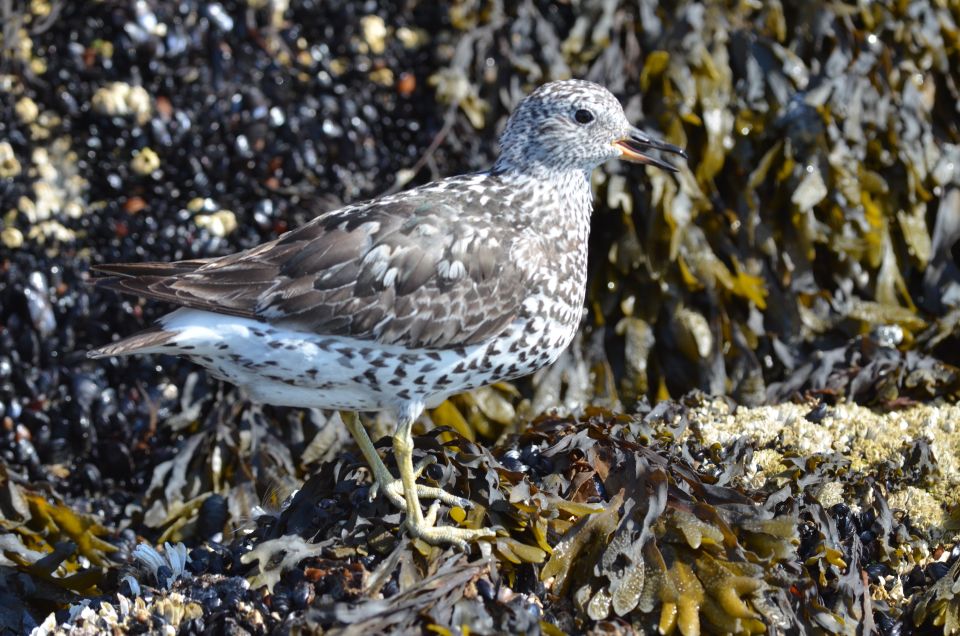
416,270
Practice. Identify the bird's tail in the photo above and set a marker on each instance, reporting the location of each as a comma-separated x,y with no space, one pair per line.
149,341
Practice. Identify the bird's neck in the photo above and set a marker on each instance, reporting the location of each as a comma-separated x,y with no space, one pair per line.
563,197
556,213
569,188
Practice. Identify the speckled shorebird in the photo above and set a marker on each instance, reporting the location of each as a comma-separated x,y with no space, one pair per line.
400,302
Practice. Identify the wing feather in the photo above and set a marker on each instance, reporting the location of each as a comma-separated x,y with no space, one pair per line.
419,270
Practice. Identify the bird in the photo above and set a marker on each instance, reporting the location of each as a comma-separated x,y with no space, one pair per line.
397,303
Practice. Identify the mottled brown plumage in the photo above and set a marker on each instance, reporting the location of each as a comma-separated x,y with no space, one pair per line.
328,276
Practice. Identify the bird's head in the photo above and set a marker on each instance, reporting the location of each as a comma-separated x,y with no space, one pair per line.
574,124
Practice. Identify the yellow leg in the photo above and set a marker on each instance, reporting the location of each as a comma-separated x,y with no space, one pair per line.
417,525
384,481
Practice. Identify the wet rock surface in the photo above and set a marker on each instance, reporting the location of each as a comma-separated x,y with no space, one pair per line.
804,264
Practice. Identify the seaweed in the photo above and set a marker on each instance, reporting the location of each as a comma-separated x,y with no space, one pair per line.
802,264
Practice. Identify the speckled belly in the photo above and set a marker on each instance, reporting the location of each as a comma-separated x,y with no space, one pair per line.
293,368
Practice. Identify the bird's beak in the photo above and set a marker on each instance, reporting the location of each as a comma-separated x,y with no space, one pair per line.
634,146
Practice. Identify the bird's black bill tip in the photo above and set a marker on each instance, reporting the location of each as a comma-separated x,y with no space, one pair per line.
638,144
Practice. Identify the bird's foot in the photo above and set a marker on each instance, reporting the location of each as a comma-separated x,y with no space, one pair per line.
418,525
387,483
425,528
393,489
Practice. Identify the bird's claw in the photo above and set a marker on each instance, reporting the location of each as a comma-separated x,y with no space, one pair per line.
395,483
394,492
394,489
425,527
427,530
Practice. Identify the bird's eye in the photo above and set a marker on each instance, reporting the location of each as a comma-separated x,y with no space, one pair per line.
583,116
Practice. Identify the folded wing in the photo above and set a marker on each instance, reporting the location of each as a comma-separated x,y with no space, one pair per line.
413,270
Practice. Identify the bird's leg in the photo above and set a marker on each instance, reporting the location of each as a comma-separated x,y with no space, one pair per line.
417,525
383,480
381,476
